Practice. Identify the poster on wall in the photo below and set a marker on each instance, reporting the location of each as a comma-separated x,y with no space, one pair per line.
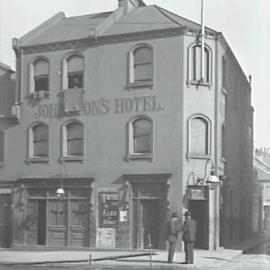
108,209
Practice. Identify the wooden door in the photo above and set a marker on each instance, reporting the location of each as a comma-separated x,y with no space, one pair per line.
57,222
5,221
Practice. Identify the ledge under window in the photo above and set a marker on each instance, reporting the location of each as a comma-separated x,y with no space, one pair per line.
39,94
146,84
194,156
140,157
72,159
197,83
37,160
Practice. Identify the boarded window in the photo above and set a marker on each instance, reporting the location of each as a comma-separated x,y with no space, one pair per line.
199,136
75,136
142,136
75,72
143,64
40,141
41,75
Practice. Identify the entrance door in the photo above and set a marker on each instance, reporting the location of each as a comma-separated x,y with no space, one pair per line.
41,222
146,223
150,223
199,210
5,222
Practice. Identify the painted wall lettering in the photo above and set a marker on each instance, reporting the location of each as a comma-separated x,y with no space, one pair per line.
104,106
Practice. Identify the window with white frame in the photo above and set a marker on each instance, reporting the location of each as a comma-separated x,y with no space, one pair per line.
141,137
39,141
141,65
73,139
73,72
2,146
199,137
40,75
195,67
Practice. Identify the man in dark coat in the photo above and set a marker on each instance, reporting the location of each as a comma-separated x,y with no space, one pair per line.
189,237
173,228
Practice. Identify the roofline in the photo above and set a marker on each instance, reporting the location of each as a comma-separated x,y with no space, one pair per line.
227,47
6,68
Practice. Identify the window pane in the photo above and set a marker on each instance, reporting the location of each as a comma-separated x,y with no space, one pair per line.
75,139
41,83
75,80
41,67
198,137
40,140
143,72
142,55
2,145
142,131
75,63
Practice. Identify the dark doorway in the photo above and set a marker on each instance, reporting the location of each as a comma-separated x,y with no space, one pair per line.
5,220
200,213
150,222
41,222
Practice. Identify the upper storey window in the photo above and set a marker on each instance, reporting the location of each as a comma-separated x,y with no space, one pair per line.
140,138
40,78
73,72
141,66
199,73
199,143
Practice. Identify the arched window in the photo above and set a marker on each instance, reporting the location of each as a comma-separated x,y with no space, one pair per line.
2,146
195,64
141,137
199,137
40,75
141,65
39,141
73,69
73,138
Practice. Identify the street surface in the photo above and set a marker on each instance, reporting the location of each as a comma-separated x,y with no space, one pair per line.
257,258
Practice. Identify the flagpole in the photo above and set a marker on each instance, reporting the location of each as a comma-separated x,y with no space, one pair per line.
202,41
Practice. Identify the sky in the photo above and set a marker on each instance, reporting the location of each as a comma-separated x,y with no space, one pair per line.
244,23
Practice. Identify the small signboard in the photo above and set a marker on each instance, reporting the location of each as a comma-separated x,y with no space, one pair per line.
108,209
197,192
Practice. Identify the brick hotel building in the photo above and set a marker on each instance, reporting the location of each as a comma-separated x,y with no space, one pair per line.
111,127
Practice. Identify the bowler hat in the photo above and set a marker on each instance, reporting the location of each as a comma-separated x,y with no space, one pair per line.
187,213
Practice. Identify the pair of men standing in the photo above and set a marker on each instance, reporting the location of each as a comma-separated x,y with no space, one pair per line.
189,236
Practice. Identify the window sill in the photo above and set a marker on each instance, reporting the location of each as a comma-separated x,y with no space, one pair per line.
72,159
140,157
72,89
199,83
37,160
39,94
192,156
135,85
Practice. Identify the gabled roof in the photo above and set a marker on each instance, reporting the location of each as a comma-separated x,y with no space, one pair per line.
144,18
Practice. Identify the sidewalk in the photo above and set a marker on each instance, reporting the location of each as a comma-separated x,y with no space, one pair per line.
204,259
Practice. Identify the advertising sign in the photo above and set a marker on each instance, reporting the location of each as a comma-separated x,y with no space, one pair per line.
108,209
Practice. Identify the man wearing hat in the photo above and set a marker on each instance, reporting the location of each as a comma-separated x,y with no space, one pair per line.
189,237
173,228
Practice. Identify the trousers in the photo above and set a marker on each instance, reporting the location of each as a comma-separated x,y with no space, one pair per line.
171,251
189,251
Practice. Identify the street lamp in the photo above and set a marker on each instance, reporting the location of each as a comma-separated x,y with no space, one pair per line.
60,192
212,177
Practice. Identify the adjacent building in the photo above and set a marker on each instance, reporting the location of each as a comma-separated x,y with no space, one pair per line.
122,118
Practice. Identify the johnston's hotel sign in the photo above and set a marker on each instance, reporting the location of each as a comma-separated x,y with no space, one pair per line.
110,127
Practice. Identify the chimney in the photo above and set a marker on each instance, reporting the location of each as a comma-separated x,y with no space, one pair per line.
129,5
